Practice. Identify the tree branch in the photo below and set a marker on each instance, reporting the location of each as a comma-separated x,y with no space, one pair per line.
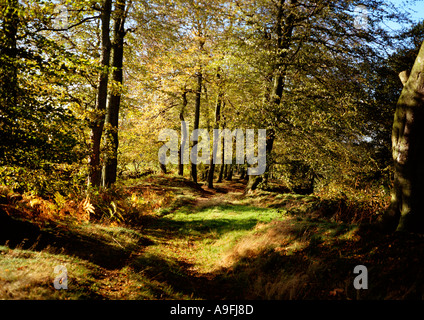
70,27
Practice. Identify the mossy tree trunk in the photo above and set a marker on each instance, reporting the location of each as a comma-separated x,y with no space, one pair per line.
406,212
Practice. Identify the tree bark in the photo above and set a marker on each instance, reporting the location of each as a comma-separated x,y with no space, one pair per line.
162,168
229,173
216,126
183,108
284,32
99,120
221,173
222,166
406,212
270,138
199,77
112,113
283,29
242,173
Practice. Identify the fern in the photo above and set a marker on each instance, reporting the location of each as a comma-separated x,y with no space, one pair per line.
87,207
59,200
114,212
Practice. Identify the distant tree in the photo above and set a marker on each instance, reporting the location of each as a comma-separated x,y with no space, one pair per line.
218,106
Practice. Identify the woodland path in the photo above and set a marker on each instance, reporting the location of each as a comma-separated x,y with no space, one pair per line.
173,256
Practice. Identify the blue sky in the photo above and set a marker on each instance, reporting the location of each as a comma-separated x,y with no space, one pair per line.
414,7
417,6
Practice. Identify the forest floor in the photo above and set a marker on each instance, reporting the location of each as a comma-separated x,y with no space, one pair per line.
210,244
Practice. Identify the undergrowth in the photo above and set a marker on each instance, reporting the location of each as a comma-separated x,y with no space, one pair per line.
117,205
164,238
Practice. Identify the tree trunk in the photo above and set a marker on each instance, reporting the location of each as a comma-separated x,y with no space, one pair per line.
229,173
242,173
270,138
226,171
196,122
406,212
183,108
114,101
217,118
283,29
222,167
221,173
99,120
162,168
253,183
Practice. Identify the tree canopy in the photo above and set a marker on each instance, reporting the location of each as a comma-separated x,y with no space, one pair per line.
91,84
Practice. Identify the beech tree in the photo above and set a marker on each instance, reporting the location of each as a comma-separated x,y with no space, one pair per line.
307,56
36,128
198,92
102,91
407,208
114,101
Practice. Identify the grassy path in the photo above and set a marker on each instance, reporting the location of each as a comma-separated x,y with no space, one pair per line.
175,254
190,243
210,244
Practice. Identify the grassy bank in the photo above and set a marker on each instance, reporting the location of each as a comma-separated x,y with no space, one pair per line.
175,240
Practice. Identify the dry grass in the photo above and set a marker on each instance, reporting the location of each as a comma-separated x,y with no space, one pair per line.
278,235
281,259
261,246
26,274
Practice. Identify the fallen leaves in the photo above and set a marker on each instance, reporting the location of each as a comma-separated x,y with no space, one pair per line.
334,292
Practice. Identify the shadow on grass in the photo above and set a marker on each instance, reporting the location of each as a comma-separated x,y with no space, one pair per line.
194,221
177,277
25,235
179,185
323,269
271,272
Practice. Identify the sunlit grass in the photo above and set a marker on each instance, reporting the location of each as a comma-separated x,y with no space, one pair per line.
273,246
206,233
25,274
